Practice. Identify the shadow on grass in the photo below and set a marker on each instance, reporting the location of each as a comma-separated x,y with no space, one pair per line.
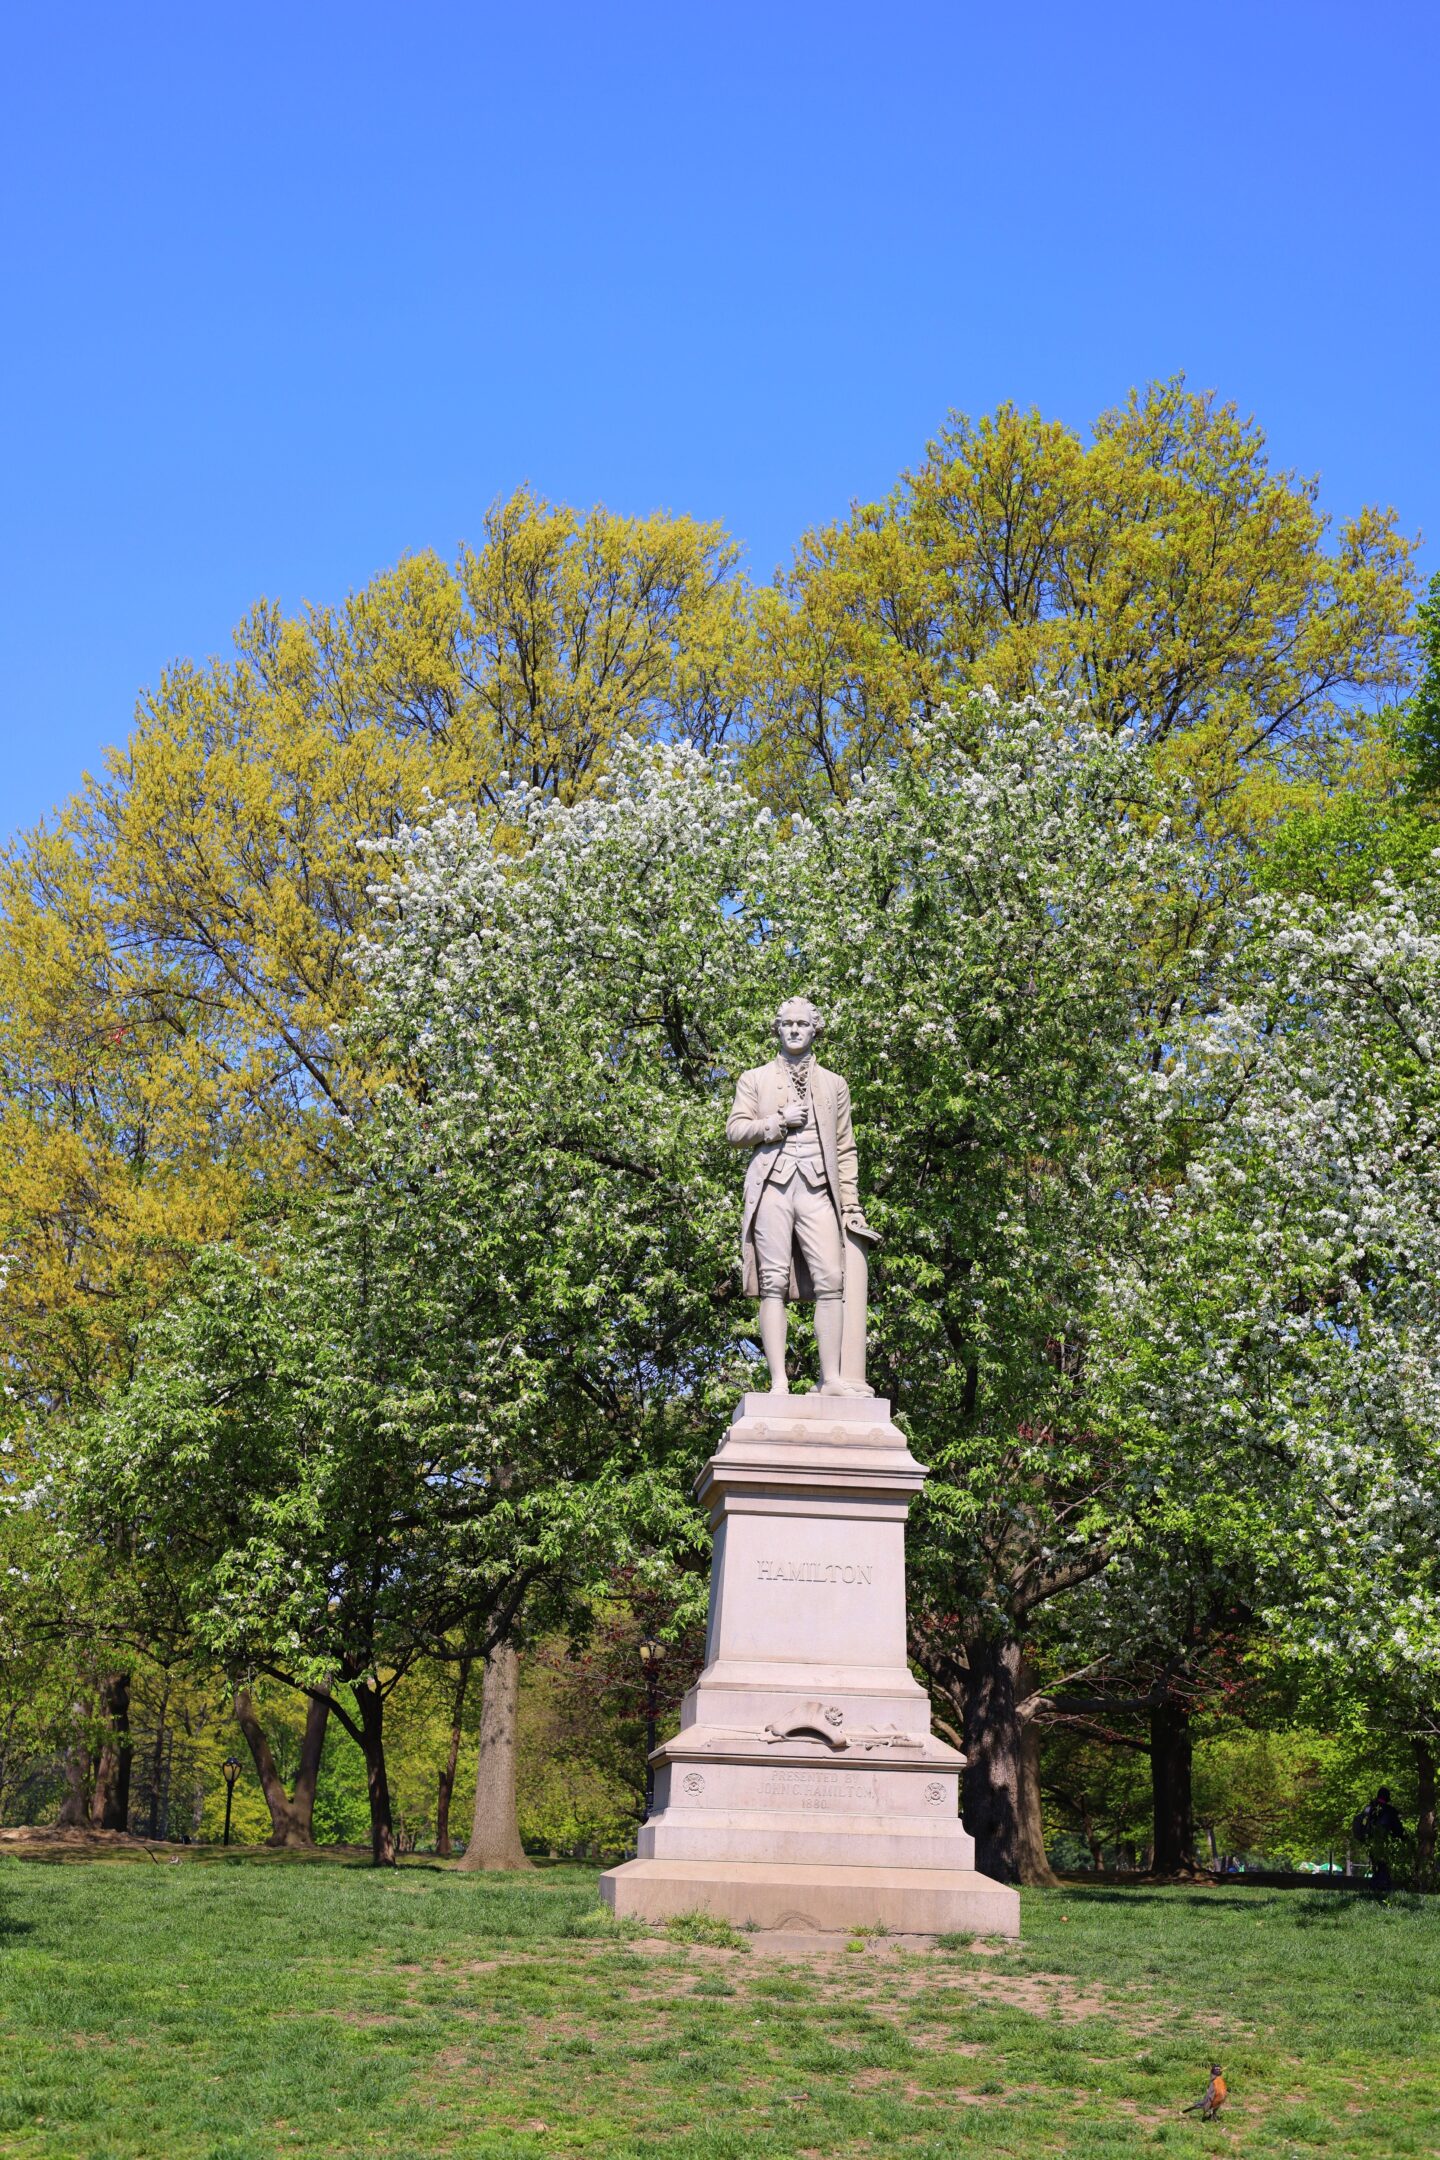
1306,1907
357,1857
1196,1900
11,1928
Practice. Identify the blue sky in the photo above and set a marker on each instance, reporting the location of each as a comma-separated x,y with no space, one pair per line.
291,291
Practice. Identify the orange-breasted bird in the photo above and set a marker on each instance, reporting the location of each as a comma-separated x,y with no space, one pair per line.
1214,2097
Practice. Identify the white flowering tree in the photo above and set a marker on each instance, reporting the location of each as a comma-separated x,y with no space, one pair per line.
468,1380
1111,1304
1285,1310
552,985
1007,937
997,927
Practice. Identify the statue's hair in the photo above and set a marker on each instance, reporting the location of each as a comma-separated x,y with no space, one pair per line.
816,1014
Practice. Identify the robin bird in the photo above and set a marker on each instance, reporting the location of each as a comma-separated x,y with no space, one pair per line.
1214,2099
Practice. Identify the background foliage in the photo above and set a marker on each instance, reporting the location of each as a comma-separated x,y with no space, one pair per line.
368,1283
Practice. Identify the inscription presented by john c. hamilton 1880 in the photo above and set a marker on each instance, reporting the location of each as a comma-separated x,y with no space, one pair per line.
824,1571
807,1789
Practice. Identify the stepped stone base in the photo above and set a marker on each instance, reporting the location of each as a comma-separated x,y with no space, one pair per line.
902,1900
805,1788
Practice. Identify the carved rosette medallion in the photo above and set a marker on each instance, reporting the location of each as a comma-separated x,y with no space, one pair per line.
935,1791
694,1783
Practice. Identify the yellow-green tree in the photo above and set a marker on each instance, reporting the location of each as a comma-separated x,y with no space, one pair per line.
107,1172
174,955
1162,569
175,972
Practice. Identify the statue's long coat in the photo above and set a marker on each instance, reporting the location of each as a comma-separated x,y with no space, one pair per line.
760,1095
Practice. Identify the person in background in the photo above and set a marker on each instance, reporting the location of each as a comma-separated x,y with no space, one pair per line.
1379,1829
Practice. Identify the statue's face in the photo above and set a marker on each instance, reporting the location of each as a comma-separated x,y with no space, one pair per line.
795,1025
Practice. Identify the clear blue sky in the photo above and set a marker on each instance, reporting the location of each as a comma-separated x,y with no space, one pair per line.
292,290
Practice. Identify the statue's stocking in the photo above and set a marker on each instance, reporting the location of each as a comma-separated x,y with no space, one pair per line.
774,1328
829,1326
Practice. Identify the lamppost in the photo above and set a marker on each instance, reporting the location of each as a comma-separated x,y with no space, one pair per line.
652,1657
230,1770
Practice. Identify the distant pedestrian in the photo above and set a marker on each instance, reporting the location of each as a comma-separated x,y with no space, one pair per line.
1379,1829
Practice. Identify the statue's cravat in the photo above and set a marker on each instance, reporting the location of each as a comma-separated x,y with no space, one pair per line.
803,1147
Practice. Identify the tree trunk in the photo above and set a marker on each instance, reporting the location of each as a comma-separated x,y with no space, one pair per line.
447,1775
291,1821
157,1760
992,1778
371,1705
1035,1868
495,1834
165,1794
1425,1815
75,1807
307,1776
110,1807
1170,1787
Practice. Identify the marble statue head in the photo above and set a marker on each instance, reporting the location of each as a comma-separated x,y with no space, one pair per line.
798,1023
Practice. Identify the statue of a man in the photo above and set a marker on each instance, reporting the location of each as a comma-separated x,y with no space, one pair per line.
802,1220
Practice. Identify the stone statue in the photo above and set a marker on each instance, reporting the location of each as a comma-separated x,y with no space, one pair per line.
805,1787
803,1232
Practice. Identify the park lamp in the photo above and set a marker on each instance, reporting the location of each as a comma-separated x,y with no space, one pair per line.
652,1654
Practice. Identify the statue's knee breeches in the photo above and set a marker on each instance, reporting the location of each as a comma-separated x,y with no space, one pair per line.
791,1215
774,1232
817,1233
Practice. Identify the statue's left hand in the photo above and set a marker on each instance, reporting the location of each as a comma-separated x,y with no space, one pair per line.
854,1219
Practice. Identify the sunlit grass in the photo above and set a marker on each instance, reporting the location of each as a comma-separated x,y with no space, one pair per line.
209,2011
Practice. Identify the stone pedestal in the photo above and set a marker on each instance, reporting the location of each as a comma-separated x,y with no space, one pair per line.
805,1788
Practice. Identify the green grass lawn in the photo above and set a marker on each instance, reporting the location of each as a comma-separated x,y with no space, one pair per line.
233,2009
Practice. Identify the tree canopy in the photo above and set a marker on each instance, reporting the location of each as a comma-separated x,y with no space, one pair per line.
1163,570
175,957
366,1030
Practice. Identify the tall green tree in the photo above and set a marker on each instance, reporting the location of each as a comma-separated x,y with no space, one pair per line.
1422,721
283,1469
176,978
1162,569
175,970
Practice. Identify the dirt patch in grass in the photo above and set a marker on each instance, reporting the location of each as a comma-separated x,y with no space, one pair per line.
891,1964
1045,1994
885,1985
46,1841
51,1841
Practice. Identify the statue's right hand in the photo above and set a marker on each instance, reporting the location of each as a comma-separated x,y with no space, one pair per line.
795,1115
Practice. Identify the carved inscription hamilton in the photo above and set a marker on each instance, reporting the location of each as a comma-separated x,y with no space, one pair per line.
821,1571
810,1789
